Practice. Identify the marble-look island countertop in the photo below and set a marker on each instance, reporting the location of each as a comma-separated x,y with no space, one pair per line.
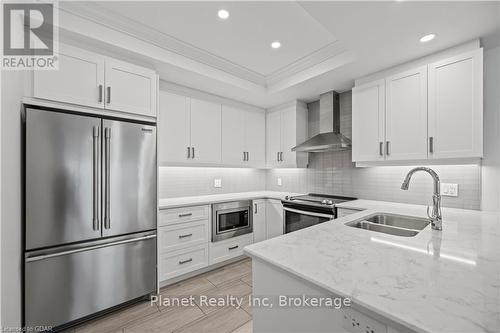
445,281
215,198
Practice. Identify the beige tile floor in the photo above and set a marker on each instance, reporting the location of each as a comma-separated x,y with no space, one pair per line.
231,280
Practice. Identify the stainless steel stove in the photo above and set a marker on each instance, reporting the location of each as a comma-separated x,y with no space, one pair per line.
303,211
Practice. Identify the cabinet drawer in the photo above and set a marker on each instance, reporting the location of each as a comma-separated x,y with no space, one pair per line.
184,214
176,263
227,249
179,236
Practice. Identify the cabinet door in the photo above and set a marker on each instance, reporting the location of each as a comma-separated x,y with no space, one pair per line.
206,131
130,88
274,218
173,128
233,136
406,115
259,220
79,79
255,138
368,113
273,138
456,106
288,136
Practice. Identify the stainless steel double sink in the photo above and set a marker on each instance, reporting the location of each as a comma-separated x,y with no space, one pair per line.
392,224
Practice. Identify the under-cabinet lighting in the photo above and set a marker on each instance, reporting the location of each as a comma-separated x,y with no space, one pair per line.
427,38
223,14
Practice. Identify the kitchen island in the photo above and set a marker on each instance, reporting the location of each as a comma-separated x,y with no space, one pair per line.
436,281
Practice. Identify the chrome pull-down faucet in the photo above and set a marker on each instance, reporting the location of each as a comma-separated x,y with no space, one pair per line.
435,216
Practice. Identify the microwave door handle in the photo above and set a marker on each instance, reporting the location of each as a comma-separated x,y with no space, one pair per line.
308,213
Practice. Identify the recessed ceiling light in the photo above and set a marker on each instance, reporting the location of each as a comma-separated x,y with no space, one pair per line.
223,14
276,44
427,38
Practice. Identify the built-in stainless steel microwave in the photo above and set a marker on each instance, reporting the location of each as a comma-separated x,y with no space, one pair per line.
231,219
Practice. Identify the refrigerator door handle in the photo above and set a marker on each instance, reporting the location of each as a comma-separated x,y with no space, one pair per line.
95,178
107,141
87,248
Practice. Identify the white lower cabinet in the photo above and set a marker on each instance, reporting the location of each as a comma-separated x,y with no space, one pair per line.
230,248
175,263
259,220
184,237
274,218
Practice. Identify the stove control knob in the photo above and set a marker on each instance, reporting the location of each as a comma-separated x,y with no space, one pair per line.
329,202
287,197
324,202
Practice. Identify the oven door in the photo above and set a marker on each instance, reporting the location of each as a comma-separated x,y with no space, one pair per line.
231,223
295,219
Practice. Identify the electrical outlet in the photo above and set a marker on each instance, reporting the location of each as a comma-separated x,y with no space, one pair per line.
217,182
449,190
279,181
356,322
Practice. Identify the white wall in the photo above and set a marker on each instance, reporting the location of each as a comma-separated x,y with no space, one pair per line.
12,91
490,194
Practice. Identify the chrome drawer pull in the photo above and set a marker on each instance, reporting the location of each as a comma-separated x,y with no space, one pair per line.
232,247
185,261
184,236
185,215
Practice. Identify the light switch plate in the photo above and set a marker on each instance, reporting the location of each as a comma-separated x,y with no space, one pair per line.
280,182
217,182
449,190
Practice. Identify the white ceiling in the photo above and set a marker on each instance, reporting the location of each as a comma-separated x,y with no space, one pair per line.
244,38
326,45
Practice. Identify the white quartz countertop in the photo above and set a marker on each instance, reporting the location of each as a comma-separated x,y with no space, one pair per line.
215,198
445,281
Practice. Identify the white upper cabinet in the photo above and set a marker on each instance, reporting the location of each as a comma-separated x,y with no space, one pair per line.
456,106
79,79
243,137
205,131
174,127
90,79
189,130
273,138
406,115
255,138
430,112
368,121
130,88
286,128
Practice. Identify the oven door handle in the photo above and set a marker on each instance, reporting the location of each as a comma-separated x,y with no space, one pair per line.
308,213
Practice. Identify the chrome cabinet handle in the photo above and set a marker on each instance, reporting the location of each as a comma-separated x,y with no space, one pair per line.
255,208
185,214
95,177
244,156
100,93
431,144
278,156
387,148
381,148
192,152
107,140
189,152
281,156
185,261
185,236
233,247
108,95
248,156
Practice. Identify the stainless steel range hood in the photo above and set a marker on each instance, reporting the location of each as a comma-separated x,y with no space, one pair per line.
329,137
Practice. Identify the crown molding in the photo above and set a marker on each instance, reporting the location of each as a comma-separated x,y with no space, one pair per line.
316,63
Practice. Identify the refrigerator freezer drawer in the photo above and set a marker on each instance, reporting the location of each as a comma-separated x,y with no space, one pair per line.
62,287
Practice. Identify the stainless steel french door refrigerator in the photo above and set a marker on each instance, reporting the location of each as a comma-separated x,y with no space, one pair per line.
90,215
